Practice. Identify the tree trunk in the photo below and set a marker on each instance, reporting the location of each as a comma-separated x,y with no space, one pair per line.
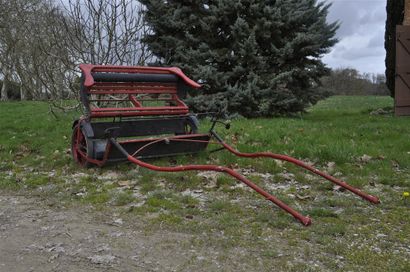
42,91
4,96
22,93
406,20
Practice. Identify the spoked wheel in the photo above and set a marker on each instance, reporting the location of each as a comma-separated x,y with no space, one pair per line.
190,127
80,147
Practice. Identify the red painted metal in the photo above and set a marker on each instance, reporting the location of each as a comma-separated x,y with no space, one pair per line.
297,162
172,138
113,92
179,102
128,100
134,101
87,69
136,113
141,108
131,86
80,149
305,220
140,84
78,143
174,106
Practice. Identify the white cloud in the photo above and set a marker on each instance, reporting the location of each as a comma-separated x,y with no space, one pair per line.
361,35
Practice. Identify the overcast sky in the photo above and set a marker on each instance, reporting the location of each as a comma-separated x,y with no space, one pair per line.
361,35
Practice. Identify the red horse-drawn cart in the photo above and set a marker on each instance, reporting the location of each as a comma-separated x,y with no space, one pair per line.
125,105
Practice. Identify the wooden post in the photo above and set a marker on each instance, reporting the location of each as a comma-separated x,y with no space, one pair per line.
402,78
406,19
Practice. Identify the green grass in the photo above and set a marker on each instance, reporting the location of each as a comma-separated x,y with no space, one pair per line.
335,134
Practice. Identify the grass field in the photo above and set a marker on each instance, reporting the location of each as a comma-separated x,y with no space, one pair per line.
343,136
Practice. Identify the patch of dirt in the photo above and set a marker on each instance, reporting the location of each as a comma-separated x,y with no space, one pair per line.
37,237
382,111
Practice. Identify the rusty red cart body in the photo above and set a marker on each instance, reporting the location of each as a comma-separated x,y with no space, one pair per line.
136,113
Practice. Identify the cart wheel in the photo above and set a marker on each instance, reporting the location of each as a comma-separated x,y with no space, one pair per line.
189,130
191,126
80,147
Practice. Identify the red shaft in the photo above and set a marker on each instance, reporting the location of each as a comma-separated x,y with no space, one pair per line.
303,219
339,182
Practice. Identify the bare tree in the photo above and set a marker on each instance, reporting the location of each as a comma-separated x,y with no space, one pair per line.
105,32
24,37
8,43
42,43
54,67
97,32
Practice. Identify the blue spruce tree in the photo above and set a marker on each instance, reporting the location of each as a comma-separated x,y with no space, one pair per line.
254,58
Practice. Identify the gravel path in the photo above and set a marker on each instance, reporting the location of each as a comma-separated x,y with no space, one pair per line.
35,236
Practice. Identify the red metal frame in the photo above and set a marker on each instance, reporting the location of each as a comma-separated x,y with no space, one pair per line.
87,69
305,220
297,162
131,89
79,143
79,155
134,113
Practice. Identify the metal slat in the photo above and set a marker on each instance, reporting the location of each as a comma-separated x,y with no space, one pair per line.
139,109
136,113
133,92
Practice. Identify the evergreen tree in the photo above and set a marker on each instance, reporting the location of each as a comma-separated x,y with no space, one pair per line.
395,14
253,57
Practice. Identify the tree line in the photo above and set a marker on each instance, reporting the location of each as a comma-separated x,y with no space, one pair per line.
42,42
349,81
253,58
